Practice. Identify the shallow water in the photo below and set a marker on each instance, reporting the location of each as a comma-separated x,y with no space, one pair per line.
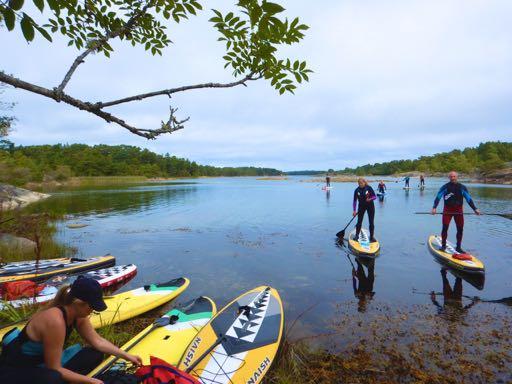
231,234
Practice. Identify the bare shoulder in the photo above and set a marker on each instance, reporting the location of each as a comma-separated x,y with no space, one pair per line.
48,321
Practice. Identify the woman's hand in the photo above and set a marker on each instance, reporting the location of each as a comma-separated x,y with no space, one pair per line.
354,213
136,360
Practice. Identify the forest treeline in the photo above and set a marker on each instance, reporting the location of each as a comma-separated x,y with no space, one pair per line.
22,164
487,157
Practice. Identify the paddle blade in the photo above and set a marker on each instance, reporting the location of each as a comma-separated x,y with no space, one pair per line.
341,234
506,215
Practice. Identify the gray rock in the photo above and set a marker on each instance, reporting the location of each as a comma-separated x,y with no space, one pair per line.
20,243
13,197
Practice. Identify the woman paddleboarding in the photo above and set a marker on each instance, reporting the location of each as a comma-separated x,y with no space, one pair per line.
364,195
36,354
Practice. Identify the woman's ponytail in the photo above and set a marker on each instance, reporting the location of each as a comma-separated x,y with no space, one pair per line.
62,297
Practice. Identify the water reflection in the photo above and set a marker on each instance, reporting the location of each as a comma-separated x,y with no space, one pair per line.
453,307
362,281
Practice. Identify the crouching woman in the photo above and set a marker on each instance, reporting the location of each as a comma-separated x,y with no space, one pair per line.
36,354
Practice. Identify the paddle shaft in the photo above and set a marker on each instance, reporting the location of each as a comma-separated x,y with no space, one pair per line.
342,232
505,215
154,326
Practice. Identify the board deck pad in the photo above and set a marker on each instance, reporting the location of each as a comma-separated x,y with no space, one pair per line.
168,342
247,332
363,246
446,256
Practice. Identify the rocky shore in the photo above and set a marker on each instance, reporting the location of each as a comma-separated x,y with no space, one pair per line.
13,197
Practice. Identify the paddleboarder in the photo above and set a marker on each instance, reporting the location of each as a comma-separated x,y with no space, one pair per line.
422,181
381,187
327,181
453,194
35,354
364,195
407,180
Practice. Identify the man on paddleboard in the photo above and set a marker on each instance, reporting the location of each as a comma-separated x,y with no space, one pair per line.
422,181
453,193
381,187
407,180
327,180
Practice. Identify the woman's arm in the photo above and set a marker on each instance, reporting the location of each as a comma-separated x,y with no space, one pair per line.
92,337
53,341
354,202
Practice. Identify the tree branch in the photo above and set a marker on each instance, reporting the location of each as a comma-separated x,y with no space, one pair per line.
173,124
170,91
95,45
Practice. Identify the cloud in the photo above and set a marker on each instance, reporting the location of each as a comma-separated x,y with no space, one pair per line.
392,80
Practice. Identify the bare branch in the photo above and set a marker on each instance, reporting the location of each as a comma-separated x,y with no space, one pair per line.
170,91
95,45
172,125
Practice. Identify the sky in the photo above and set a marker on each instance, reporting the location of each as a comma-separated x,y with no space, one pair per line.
392,80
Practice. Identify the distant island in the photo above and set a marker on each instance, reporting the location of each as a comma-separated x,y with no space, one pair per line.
20,165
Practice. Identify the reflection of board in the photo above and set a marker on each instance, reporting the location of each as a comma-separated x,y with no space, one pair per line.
473,265
381,194
240,343
363,247
107,277
407,188
167,342
326,188
42,270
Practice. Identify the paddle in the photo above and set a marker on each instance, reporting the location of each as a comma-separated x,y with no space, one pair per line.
505,215
160,322
341,234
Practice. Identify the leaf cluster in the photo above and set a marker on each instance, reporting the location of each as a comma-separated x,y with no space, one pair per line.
252,39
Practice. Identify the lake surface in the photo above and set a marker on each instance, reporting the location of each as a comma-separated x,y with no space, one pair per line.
230,234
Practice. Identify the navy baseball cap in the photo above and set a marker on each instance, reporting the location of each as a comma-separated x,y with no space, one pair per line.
89,290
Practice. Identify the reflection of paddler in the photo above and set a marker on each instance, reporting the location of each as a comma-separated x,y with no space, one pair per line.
452,296
363,283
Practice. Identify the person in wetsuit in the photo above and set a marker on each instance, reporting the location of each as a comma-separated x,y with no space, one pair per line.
407,179
422,181
381,187
453,195
327,181
35,354
364,195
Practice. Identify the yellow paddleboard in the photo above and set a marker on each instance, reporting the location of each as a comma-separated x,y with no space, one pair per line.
165,342
239,344
363,247
126,305
473,265
42,270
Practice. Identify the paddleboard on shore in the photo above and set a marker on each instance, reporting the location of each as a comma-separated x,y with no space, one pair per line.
166,342
107,277
363,246
239,344
127,305
44,269
450,257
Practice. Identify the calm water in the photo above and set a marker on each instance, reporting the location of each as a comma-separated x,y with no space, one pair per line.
230,234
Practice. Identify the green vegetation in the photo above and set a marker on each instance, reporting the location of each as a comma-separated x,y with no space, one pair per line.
486,157
21,165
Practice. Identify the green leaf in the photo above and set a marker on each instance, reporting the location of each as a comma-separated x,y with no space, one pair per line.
44,33
39,4
27,28
272,8
16,5
10,18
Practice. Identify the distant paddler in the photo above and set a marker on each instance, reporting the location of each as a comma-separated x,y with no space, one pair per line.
422,181
453,194
364,195
382,187
407,179
327,181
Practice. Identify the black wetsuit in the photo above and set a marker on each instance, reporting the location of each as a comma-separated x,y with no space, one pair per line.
328,181
382,188
363,200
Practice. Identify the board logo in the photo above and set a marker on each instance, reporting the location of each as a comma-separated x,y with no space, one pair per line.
192,351
259,372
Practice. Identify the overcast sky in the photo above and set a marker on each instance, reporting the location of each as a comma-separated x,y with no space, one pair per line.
393,79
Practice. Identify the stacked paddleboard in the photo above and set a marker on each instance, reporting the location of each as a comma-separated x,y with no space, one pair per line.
362,246
42,270
107,277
